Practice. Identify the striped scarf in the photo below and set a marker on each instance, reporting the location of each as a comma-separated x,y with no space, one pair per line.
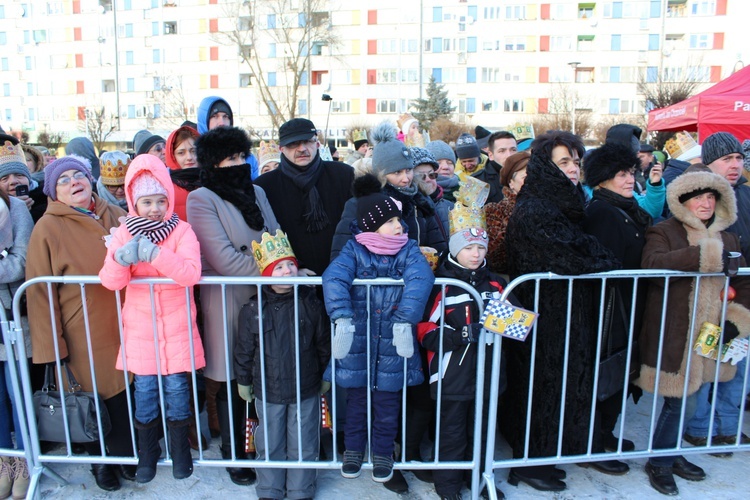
153,230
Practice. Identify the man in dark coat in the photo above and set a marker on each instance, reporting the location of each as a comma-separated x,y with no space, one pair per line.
307,194
545,235
500,146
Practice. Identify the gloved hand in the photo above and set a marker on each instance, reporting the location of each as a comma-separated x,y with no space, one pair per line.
147,251
343,336
127,255
403,339
325,386
729,332
470,333
246,392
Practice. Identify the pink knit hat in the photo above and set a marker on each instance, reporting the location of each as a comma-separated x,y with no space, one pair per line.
145,185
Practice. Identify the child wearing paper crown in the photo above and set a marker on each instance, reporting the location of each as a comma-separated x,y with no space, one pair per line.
459,315
154,243
380,249
276,400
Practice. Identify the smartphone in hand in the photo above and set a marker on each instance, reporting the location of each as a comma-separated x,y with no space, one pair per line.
22,190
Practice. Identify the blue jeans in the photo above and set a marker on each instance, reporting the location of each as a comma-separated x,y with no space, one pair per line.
176,397
667,427
8,410
728,400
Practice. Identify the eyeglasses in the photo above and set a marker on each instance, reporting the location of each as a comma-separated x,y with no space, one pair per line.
64,181
114,189
430,175
158,148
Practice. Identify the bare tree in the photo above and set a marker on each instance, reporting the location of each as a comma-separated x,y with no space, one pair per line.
565,103
173,105
50,140
447,130
599,131
661,93
282,45
98,124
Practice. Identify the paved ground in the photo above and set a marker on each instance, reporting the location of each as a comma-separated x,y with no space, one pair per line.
727,479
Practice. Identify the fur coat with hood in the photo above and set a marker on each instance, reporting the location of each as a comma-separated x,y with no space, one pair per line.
179,258
685,243
545,234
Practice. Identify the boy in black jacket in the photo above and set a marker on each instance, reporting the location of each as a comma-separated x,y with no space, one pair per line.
461,329
277,406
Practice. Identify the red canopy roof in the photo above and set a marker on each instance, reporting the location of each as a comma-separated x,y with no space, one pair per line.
723,107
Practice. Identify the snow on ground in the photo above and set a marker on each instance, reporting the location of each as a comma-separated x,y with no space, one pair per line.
727,478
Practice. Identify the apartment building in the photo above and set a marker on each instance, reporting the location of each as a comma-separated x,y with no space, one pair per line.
148,63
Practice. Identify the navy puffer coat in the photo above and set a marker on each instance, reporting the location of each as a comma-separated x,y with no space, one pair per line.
388,305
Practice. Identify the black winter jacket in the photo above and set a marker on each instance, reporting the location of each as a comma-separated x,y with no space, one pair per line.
279,345
491,175
742,226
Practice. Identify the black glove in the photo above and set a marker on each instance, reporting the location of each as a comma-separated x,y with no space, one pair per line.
470,333
729,333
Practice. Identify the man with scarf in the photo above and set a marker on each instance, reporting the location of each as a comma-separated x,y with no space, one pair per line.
307,194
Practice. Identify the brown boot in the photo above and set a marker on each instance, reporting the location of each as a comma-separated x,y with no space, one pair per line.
193,436
20,478
6,476
212,387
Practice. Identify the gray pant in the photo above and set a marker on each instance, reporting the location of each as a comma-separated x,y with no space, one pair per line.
282,445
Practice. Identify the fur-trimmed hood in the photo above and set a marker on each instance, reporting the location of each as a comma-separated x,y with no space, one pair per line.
701,178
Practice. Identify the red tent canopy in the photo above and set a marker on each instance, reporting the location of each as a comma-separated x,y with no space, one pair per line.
723,107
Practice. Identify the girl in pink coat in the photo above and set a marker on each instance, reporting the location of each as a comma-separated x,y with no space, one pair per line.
153,242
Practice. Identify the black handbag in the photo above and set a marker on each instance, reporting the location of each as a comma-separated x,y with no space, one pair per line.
614,359
80,407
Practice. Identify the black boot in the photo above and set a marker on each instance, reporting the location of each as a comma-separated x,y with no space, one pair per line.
105,476
148,450
239,475
179,449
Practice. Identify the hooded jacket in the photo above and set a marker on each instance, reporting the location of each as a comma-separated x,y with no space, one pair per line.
462,173
178,259
180,193
387,305
82,146
204,108
685,243
741,226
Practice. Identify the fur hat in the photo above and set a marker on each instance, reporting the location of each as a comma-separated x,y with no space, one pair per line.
219,144
696,179
718,145
422,157
626,135
114,166
514,163
441,151
146,185
606,161
389,154
466,147
55,169
12,160
373,207
144,140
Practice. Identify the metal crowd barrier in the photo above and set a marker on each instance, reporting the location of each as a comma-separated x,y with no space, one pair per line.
482,471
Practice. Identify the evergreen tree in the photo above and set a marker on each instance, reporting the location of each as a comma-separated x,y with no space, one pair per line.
435,106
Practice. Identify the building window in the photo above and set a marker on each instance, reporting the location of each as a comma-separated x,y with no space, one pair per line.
386,105
388,46
491,12
302,107
131,84
699,73
515,12
29,88
515,43
271,21
584,75
386,76
271,50
585,10
701,41
170,28
157,56
703,8
560,43
409,75
513,105
245,23
108,85
128,31
341,107
271,79
409,46
427,45
491,75
129,57
131,110
246,80
6,89
585,43
4,63
317,48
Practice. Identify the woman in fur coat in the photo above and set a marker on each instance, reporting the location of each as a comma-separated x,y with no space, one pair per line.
693,240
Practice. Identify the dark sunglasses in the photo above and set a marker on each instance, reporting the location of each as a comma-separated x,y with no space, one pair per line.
431,175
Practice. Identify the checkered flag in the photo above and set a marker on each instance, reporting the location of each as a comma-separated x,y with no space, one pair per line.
508,320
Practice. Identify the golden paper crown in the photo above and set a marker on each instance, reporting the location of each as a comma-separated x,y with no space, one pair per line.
431,255
359,135
10,153
113,168
472,191
268,151
271,249
681,143
521,131
403,119
462,217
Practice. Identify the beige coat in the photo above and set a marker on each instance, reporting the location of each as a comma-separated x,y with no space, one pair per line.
66,242
226,250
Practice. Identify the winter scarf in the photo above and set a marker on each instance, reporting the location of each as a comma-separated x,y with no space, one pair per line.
628,205
306,179
104,193
382,244
234,185
155,231
545,181
188,179
410,199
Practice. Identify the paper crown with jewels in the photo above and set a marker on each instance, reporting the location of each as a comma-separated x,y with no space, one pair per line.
472,191
359,135
521,131
271,249
463,217
681,143
10,153
114,166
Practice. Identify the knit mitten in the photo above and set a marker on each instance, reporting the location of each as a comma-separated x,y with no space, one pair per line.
342,338
403,339
147,250
127,255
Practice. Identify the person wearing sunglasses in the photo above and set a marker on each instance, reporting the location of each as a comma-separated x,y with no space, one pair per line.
145,142
425,177
111,182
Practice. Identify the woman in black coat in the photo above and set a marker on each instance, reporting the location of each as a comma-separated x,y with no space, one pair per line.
614,217
545,234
